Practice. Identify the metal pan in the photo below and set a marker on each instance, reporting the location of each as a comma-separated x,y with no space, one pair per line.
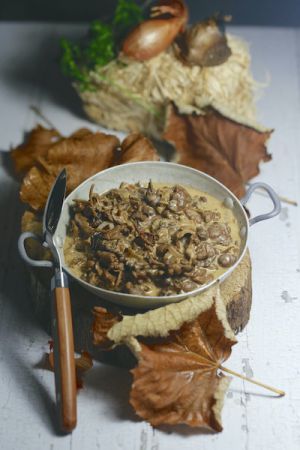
160,172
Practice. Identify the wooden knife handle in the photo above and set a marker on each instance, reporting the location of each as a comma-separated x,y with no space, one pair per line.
64,358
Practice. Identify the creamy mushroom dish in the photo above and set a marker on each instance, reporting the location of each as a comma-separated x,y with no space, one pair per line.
153,240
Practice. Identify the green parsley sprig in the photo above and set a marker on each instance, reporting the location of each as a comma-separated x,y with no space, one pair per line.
101,46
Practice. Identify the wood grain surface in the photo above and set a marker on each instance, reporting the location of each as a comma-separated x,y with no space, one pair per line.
268,348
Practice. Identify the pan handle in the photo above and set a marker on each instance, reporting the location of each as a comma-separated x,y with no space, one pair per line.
273,196
23,252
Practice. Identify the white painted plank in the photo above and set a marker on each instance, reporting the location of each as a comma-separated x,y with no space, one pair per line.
270,342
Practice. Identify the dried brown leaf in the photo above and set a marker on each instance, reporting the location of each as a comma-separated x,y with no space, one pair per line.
179,381
136,147
224,149
83,363
37,144
31,222
35,188
176,381
103,322
83,154
160,322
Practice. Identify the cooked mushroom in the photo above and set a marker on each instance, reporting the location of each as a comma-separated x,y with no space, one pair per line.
149,240
204,251
226,260
152,195
205,44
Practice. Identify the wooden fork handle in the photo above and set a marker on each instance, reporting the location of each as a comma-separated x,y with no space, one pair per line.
64,358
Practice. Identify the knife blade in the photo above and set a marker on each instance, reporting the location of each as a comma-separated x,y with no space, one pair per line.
62,328
52,213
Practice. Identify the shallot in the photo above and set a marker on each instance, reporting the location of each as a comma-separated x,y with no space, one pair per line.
153,36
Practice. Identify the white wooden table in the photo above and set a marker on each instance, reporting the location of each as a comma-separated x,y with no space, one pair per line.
269,348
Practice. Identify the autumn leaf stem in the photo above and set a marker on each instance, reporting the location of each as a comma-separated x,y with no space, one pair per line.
39,113
258,383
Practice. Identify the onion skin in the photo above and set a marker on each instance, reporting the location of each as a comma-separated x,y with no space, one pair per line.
153,36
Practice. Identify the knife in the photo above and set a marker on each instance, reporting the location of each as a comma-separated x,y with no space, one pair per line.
62,328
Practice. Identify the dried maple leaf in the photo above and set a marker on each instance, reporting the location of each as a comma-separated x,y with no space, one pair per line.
176,381
179,381
38,142
35,188
83,363
224,149
83,154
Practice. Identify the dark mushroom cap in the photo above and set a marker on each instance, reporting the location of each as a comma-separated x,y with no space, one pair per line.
205,45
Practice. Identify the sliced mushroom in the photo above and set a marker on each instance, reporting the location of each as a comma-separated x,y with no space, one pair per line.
152,196
83,225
